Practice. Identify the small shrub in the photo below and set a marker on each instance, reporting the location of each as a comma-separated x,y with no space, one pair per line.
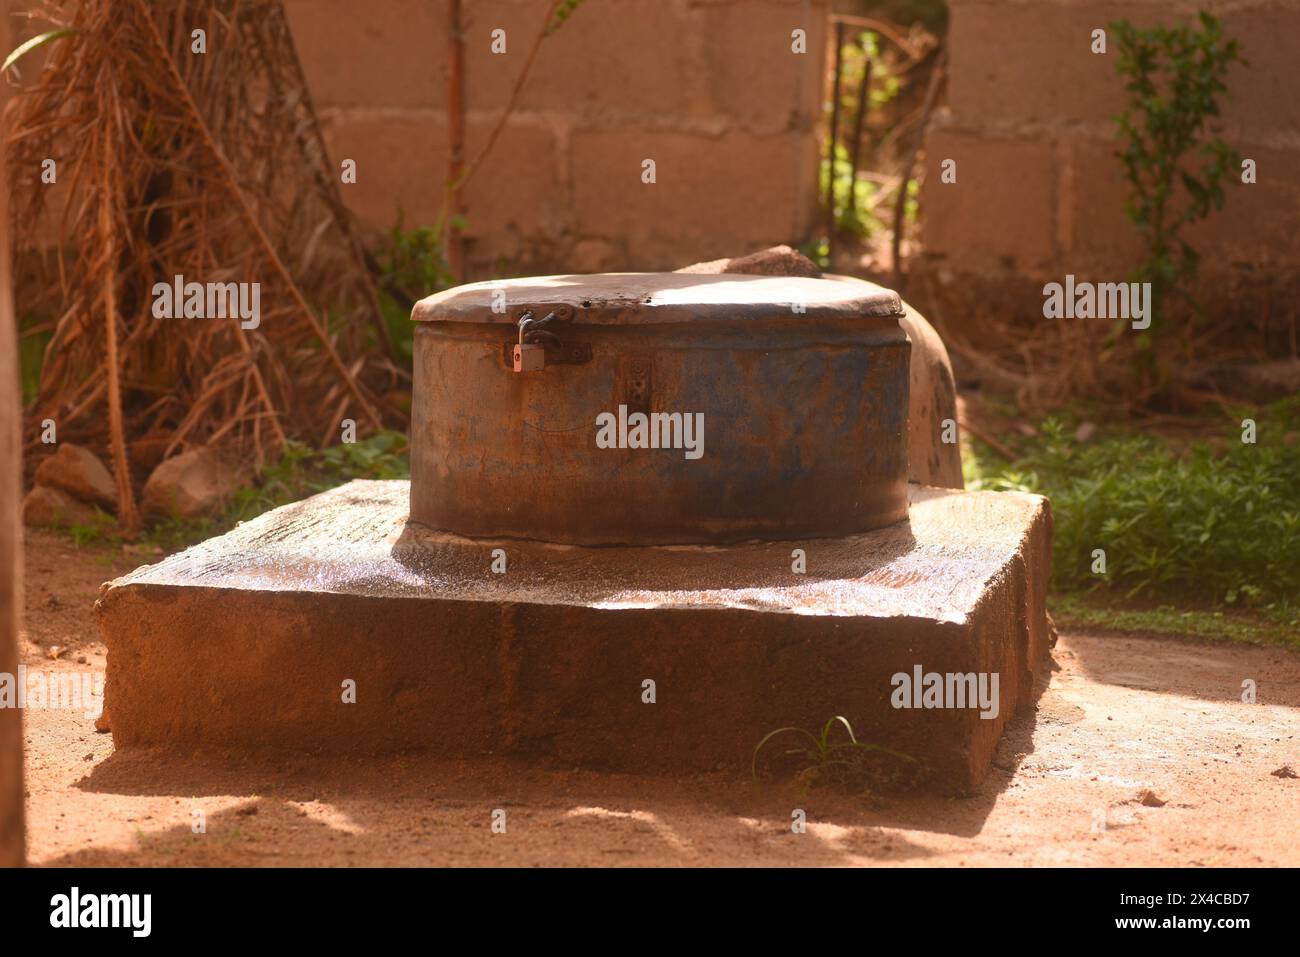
1174,77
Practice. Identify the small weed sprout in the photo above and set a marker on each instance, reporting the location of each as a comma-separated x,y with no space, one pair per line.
846,763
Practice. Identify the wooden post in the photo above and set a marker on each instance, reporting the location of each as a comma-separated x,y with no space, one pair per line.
12,847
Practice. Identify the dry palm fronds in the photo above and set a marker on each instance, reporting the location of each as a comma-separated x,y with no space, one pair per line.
208,166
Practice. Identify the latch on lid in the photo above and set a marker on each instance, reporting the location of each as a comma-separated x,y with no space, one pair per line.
538,346
530,354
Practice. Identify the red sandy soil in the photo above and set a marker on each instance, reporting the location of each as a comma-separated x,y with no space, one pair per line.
1118,718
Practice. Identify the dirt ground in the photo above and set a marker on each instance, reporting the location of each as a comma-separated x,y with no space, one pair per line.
1122,725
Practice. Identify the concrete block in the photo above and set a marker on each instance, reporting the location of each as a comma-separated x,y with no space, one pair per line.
1033,62
752,74
1000,214
1098,241
1256,229
389,54
247,640
712,195
402,163
623,59
1262,100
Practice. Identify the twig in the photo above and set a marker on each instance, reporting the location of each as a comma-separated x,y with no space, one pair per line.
900,203
127,516
884,29
1006,451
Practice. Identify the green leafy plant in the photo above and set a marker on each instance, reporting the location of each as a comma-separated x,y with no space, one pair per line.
855,55
101,528
412,265
830,761
855,213
1215,520
302,471
1174,77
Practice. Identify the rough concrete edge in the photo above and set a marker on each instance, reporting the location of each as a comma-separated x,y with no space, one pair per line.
1019,574
139,576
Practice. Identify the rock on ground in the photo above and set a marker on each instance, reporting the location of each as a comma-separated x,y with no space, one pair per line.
194,484
77,471
46,507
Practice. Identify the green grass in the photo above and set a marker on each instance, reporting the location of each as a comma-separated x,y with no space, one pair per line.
1208,526
303,471
1097,610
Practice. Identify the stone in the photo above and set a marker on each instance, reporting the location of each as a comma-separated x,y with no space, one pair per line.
194,484
46,507
148,451
776,261
258,638
79,472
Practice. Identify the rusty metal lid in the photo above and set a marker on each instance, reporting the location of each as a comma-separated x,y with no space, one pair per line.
649,298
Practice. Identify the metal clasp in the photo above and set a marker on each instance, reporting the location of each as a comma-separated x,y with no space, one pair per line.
530,354
537,345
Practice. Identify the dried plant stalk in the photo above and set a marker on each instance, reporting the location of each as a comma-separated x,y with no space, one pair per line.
207,166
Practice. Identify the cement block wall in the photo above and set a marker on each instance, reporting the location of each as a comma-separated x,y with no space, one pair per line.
1030,121
709,89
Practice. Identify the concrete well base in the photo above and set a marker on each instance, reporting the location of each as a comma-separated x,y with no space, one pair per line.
251,639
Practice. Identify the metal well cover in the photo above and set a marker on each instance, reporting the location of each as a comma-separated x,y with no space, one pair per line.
634,298
798,387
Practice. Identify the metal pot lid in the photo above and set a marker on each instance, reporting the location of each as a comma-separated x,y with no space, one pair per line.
647,298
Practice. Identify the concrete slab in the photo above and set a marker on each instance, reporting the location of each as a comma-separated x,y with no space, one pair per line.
247,640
